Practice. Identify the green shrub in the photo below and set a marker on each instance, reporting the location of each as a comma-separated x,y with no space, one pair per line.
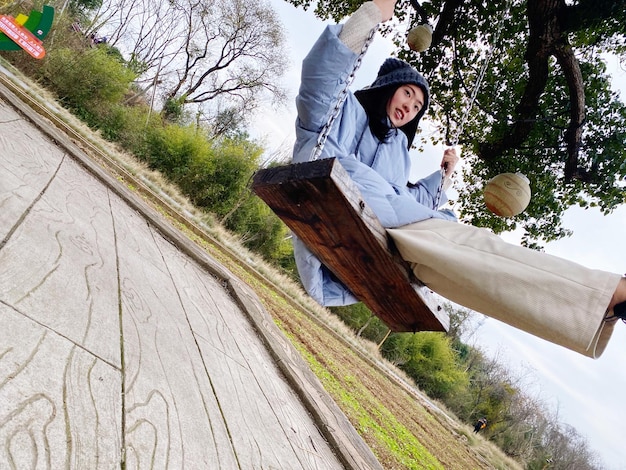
359,317
262,232
217,176
129,126
173,109
176,151
429,360
87,81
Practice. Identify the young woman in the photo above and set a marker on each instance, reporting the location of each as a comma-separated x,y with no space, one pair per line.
549,297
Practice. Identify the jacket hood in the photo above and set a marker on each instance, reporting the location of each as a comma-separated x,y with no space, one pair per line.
392,74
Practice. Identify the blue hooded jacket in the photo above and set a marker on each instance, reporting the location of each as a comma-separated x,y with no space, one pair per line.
379,169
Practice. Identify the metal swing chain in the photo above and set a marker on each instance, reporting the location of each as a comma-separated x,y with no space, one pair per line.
325,132
455,140
323,136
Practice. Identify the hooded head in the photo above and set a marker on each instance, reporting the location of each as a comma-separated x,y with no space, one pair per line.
392,74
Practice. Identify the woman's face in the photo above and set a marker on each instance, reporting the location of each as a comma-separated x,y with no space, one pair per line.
404,105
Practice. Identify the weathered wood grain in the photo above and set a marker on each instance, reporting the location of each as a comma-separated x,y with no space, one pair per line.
258,405
184,336
319,202
60,406
59,264
167,422
23,177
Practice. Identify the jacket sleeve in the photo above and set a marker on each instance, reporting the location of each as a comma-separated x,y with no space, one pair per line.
325,71
425,190
395,206
357,28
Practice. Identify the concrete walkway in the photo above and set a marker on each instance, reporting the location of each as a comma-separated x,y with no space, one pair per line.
121,343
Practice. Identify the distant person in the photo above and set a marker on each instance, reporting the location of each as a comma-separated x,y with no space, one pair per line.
480,424
95,39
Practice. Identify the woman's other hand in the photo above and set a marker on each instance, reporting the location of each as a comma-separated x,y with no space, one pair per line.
449,161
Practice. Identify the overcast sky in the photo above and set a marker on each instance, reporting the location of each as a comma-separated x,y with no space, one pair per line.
588,394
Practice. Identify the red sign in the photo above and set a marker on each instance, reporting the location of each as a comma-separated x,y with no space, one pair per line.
21,36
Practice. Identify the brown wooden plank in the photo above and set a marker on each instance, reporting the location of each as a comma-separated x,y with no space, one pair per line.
321,204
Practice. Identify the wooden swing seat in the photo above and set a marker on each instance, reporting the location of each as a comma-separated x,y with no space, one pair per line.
323,207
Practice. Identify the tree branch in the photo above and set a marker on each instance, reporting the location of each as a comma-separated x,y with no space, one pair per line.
573,136
543,28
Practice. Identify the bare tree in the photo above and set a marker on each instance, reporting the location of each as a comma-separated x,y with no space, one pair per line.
569,449
148,32
232,48
200,51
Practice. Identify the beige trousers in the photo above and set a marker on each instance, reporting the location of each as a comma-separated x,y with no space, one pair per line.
550,297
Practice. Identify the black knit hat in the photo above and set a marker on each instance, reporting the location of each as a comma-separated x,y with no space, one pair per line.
392,74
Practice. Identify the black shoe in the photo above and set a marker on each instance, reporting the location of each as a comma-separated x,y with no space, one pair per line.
619,311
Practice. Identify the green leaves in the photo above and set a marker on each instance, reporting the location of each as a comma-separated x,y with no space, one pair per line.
429,360
87,79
